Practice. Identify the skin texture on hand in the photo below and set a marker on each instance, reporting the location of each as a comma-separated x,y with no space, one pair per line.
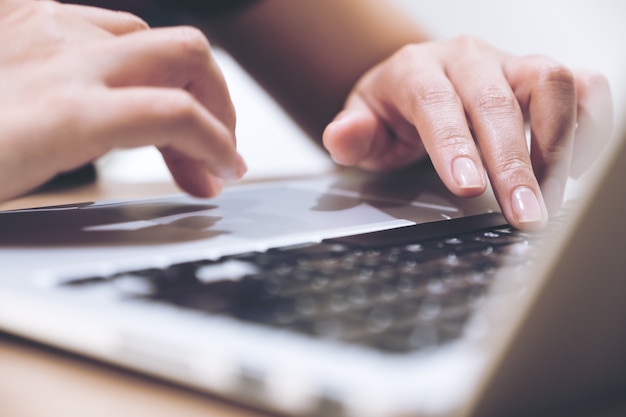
380,95
466,105
358,75
80,81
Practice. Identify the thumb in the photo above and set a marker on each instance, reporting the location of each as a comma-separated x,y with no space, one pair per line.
355,136
359,136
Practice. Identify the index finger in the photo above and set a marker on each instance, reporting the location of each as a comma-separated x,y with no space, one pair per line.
175,57
546,91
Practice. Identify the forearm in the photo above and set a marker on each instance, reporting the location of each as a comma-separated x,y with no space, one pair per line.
309,54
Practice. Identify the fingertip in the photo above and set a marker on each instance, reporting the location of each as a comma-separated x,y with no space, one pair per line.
233,170
241,166
202,185
470,179
208,188
348,138
191,176
528,209
199,182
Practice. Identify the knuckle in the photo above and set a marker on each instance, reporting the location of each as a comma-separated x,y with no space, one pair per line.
133,20
434,97
411,55
468,42
558,76
180,106
192,41
408,50
495,100
48,8
515,167
450,138
549,73
49,15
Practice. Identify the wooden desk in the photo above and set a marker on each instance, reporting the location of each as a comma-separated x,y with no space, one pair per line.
38,381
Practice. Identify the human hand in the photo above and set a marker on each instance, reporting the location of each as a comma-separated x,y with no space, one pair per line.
465,103
80,81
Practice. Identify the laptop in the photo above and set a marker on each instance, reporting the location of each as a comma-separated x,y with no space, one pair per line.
342,294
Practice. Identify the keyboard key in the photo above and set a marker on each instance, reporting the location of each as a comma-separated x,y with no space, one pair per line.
398,291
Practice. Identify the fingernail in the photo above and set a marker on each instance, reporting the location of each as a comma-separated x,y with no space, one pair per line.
466,174
526,206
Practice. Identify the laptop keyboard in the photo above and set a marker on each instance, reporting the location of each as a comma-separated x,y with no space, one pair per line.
397,291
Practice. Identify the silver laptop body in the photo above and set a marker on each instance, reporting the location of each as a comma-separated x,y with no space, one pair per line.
547,327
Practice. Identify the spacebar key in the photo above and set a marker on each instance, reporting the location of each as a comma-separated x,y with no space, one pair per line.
422,231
